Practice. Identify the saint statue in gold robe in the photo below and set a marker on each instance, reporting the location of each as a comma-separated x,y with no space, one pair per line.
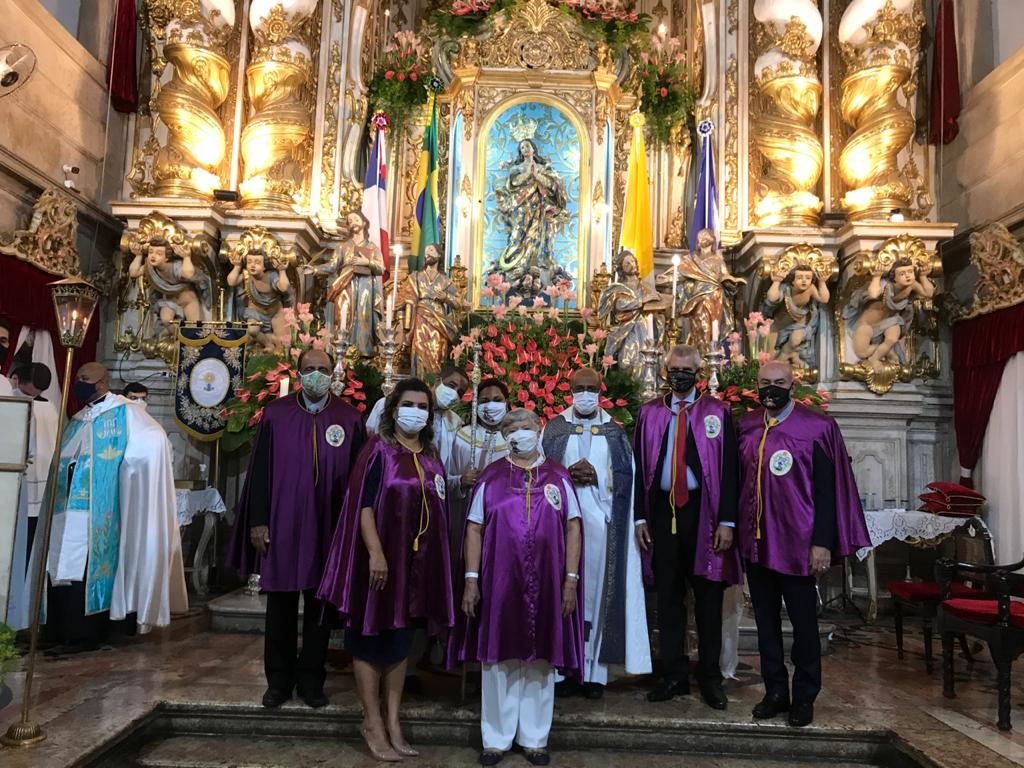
431,300
360,266
623,307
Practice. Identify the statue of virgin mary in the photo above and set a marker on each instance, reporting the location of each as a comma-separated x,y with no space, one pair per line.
532,207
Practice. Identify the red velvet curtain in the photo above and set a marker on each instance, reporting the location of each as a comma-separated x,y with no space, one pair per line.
981,347
945,90
121,75
25,300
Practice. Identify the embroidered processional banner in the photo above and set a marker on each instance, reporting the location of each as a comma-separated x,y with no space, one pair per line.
209,368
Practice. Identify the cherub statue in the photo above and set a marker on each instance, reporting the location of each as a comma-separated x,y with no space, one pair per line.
623,308
705,290
430,301
882,312
174,285
793,302
264,293
359,265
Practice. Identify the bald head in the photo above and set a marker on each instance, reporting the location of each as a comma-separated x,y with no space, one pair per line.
586,379
775,372
89,375
315,360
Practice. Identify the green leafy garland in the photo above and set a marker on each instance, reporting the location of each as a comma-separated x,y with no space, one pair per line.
667,98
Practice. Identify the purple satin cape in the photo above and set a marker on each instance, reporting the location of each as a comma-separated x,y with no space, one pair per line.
787,521
648,437
303,507
522,569
419,583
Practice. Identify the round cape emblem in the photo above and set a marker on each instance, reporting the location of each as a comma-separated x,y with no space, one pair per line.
712,426
553,495
335,435
209,382
780,463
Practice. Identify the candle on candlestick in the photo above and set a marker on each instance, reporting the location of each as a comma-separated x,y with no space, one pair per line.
74,320
391,311
285,386
343,323
714,332
650,329
675,281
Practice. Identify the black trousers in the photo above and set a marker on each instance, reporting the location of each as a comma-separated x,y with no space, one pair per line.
66,622
673,570
768,589
285,665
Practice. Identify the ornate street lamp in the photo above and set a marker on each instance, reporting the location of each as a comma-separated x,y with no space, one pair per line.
74,301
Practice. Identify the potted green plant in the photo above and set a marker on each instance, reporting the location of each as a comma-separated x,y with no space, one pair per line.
10,660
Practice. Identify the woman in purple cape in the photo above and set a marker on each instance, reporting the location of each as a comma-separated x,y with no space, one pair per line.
389,572
523,556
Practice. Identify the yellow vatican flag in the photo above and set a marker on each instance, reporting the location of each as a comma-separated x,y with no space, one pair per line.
637,230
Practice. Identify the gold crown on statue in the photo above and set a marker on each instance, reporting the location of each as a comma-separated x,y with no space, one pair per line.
521,128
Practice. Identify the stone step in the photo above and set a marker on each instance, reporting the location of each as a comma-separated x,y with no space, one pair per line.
262,752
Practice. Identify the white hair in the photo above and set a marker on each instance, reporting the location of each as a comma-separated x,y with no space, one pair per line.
519,418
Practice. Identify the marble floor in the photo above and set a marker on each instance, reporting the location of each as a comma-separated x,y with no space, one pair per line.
86,701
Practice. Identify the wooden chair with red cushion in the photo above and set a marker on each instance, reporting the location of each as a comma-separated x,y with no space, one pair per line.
924,597
997,620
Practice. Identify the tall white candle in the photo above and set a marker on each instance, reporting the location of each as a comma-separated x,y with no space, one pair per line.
714,331
675,281
389,319
286,384
650,328
397,265
343,323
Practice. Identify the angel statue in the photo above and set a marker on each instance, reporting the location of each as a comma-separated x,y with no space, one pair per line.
175,288
263,293
623,307
882,312
794,301
705,291
532,206
430,300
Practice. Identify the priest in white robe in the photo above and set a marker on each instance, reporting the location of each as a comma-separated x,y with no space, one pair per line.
115,548
452,384
598,454
30,381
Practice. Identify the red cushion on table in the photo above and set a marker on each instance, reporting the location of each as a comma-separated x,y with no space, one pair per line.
914,592
933,509
955,489
983,611
937,499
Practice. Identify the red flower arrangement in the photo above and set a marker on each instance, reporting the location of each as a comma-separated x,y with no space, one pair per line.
667,98
398,89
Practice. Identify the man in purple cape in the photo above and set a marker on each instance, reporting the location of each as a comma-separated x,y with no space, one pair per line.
686,508
523,557
799,510
298,474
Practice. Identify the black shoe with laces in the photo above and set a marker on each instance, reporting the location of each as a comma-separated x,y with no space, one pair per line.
274,698
801,714
314,699
593,691
713,694
491,757
669,689
537,756
770,706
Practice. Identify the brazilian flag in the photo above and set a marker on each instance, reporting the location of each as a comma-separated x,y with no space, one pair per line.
426,229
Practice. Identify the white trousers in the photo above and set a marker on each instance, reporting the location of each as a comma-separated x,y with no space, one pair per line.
517,702
593,670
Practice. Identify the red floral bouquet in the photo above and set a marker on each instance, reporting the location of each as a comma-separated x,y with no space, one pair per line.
610,20
667,98
399,84
535,350
464,17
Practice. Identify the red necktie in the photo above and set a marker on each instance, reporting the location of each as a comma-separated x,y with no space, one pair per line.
680,484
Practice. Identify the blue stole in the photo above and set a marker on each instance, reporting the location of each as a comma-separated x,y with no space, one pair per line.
95,489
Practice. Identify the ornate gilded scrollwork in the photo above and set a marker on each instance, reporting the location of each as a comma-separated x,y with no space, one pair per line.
51,240
328,206
886,321
170,279
191,36
276,151
785,132
998,259
880,41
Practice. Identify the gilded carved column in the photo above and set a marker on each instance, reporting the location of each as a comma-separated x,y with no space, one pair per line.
880,41
787,36
276,141
191,37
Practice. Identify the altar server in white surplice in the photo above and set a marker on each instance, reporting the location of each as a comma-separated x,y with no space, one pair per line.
115,548
599,457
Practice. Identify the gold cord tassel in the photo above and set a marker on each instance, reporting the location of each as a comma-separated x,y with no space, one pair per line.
316,457
529,482
768,424
424,509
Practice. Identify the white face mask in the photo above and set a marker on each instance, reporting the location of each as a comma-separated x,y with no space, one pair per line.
411,420
491,413
523,442
585,403
141,403
446,396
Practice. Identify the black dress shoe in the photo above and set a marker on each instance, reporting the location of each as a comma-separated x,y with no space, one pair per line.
669,689
713,694
770,706
593,691
491,757
314,700
801,714
537,756
274,698
567,689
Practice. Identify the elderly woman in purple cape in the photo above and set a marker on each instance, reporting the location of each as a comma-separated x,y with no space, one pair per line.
523,559
388,572
799,512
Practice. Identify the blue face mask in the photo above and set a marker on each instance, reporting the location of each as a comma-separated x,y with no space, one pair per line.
84,391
